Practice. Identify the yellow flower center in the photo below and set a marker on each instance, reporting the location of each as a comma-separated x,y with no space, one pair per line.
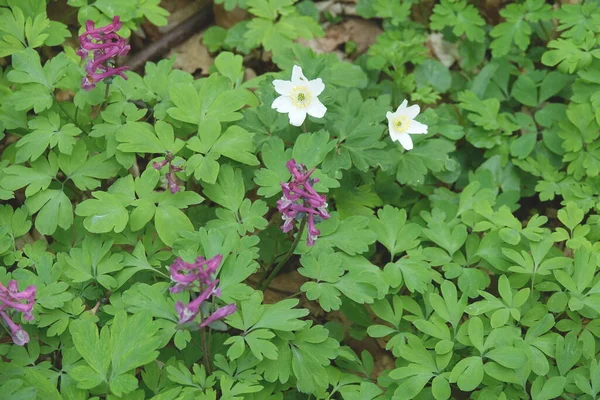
301,97
401,124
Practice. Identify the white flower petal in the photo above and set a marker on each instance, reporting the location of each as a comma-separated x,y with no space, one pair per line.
297,76
282,87
297,116
412,111
316,87
316,109
391,129
417,128
405,140
402,107
283,104
390,116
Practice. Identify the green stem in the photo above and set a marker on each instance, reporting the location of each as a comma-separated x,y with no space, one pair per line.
106,92
67,114
266,282
205,350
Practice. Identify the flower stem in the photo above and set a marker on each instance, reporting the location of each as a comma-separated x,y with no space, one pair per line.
67,114
205,349
270,276
106,92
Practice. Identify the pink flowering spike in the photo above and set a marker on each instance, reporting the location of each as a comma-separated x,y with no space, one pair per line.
159,165
12,286
19,336
87,84
291,166
89,25
287,225
213,264
100,46
300,200
179,306
173,187
179,287
189,311
177,269
219,314
27,294
116,24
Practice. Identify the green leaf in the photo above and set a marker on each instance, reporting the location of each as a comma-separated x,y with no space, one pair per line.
270,8
414,274
92,261
393,232
138,137
274,156
523,146
483,113
467,373
170,222
547,389
571,215
47,133
115,351
86,172
310,149
525,91
462,17
249,218
237,144
312,349
54,208
107,212
229,190
229,65
36,178
28,69
433,73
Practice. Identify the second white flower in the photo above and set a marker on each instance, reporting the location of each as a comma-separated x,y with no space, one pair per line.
402,124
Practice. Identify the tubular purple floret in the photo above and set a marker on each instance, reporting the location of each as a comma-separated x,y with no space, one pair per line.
299,199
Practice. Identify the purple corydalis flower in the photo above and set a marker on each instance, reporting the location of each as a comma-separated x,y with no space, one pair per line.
23,302
19,336
100,46
170,175
300,199
189,311
185,275
200,275
219,314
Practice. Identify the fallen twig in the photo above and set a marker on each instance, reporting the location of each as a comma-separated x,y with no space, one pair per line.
177,35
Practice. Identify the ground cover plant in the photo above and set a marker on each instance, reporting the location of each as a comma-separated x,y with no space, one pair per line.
353,200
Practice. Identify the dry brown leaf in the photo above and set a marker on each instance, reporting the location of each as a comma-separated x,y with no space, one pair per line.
192,55
227,19
444,51
180,11
363,33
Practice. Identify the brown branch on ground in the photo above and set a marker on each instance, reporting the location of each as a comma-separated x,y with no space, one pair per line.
177,35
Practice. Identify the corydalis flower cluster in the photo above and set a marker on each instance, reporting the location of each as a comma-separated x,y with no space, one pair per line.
100,46
301,200
198,275
12,299
170,175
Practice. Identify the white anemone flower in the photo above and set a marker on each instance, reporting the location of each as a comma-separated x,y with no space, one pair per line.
402,124
299,97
